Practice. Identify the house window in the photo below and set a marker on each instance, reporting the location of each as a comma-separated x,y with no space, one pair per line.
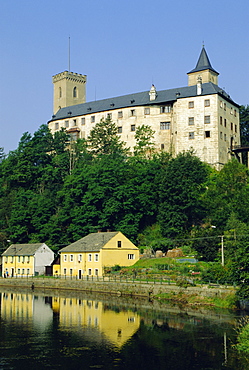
191,135
225,122
18,271
207,119
120,129
80,257
89,257
131,256
67,123
191,104
220,120
165,109
96,257
164,125
75,92
6,259
119,244
23,259
120,114
231,126
133,112
89,272
207,134
23,270
146,111
83,120
92,119
206,103
71,257
28,259
28,271
56,125
65,271
133,127
65,258
96,272
71,272
191,121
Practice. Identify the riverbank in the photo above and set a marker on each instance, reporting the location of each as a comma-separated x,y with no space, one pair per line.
204,295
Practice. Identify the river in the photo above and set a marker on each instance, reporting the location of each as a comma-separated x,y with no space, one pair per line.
74,330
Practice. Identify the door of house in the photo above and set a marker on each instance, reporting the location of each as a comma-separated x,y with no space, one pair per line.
80,275
12,272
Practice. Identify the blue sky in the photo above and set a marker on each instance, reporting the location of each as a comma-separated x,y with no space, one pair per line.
122,46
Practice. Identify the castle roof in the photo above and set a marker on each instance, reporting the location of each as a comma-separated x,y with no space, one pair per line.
137,99
203,63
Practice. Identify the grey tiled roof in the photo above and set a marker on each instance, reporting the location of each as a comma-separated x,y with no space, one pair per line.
137,99
203,63
22,249
90,243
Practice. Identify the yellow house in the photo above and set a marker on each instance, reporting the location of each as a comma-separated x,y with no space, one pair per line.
88,256
26,259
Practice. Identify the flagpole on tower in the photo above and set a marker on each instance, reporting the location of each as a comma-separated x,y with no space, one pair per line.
69,54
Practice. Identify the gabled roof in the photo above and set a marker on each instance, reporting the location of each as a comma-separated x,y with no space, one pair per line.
22,249
203,63
91,243
137,99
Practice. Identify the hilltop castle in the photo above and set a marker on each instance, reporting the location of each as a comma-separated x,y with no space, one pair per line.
200,116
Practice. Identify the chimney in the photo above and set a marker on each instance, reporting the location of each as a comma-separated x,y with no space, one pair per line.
199,85
152,93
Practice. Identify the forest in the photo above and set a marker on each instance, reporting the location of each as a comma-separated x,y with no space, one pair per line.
56,191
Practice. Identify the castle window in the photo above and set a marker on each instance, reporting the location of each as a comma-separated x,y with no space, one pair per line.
164,125
165,109
235,128
120,114
146,111
92,119
220,120
206,103
231,126
18,271
60,92
207,134
225,137
74,122
56,125
83,120
191,104
162,146
235,113
65,271
221,104
133,112
225,106
133,127
191,121
75,92
28,271
191,135
225,122
120,129
207,119
109,115
221,135
66,123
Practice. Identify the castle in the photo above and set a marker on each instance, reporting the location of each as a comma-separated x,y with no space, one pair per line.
200,117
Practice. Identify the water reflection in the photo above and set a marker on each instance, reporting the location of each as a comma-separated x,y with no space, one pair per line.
51,329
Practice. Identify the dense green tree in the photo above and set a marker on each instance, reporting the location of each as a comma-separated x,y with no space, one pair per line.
104,138
180,194
145,145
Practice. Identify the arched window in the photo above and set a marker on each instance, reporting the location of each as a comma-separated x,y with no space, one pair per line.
75,92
